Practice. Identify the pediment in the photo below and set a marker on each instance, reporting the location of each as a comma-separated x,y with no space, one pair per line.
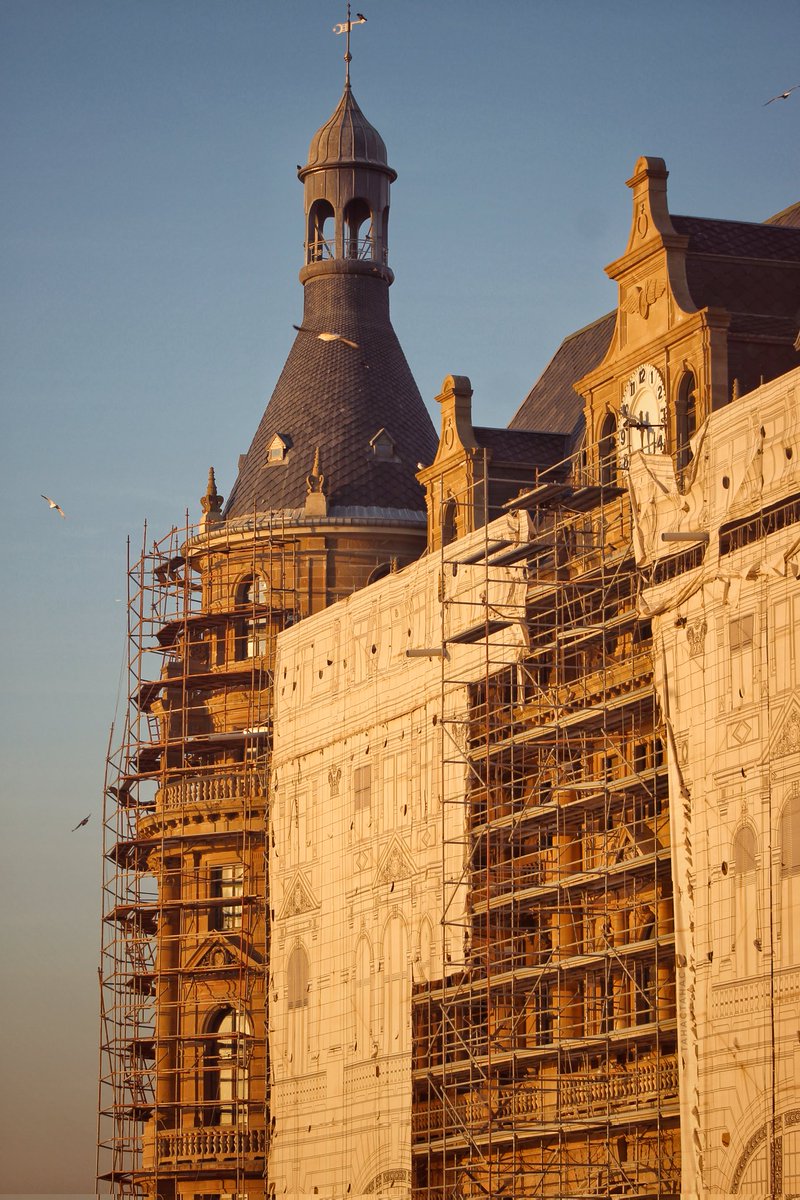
298,898
785,739
395,863
221,952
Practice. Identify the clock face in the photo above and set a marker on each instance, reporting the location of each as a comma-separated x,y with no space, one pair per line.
642,414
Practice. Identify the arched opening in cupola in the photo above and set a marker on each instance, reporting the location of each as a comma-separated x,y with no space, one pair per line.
358,229
321,241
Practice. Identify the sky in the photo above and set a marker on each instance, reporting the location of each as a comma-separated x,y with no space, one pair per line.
151,228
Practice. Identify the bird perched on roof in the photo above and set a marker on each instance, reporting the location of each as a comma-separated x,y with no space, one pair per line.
782,95
325,336
53,504
81,824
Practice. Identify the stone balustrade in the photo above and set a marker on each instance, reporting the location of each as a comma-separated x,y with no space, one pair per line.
573,1095
651,1081
212,1143
209,789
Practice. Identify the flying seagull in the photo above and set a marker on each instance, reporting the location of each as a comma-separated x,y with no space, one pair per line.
81,824
782,95
326,337
53,504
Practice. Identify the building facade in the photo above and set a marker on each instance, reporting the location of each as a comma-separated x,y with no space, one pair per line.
451,851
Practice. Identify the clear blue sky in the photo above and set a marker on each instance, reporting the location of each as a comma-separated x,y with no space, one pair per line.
151,231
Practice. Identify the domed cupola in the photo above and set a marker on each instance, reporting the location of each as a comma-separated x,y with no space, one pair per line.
346,181
347,137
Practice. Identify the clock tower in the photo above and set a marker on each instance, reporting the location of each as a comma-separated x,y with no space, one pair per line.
668,364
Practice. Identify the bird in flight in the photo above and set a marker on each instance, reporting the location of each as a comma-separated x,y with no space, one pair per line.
81,824
53,504
782,95
326,337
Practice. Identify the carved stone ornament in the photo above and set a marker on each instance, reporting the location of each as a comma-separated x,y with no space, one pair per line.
789,739
642,223
334,779
640,299
217,957
695,636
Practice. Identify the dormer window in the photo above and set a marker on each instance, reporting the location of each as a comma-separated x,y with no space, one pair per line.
277,450
382,445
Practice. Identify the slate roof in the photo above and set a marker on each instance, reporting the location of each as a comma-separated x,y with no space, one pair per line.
336,398
552,404
746,268
739,239
529,447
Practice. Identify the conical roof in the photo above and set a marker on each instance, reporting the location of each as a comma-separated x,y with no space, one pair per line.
337,398
347,137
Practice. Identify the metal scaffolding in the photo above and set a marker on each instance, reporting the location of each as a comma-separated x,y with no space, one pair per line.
546,1065
184,1074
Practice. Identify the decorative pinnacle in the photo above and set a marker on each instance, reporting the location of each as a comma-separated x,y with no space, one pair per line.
316,480
211,503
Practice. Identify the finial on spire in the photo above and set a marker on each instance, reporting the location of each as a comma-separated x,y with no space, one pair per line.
211,503
345,27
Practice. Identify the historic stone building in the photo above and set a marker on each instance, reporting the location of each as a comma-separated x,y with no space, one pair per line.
452,850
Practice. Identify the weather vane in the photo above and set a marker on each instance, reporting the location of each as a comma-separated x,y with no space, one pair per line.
345,27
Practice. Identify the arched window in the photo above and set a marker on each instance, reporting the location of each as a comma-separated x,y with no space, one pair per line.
321,238
396,994
227,1074
746,922
790,882
362,1000
252,641
358,229
297,1017
685,421
425,950
607,449
449,521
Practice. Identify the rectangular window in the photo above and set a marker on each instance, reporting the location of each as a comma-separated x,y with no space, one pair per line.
362,799
741,636
396,791
783,647
227,884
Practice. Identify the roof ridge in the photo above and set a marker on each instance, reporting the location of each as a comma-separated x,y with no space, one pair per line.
769,223
569,337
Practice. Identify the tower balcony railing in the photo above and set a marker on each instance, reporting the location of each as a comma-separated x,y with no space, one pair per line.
208,789
363,249
212,1144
